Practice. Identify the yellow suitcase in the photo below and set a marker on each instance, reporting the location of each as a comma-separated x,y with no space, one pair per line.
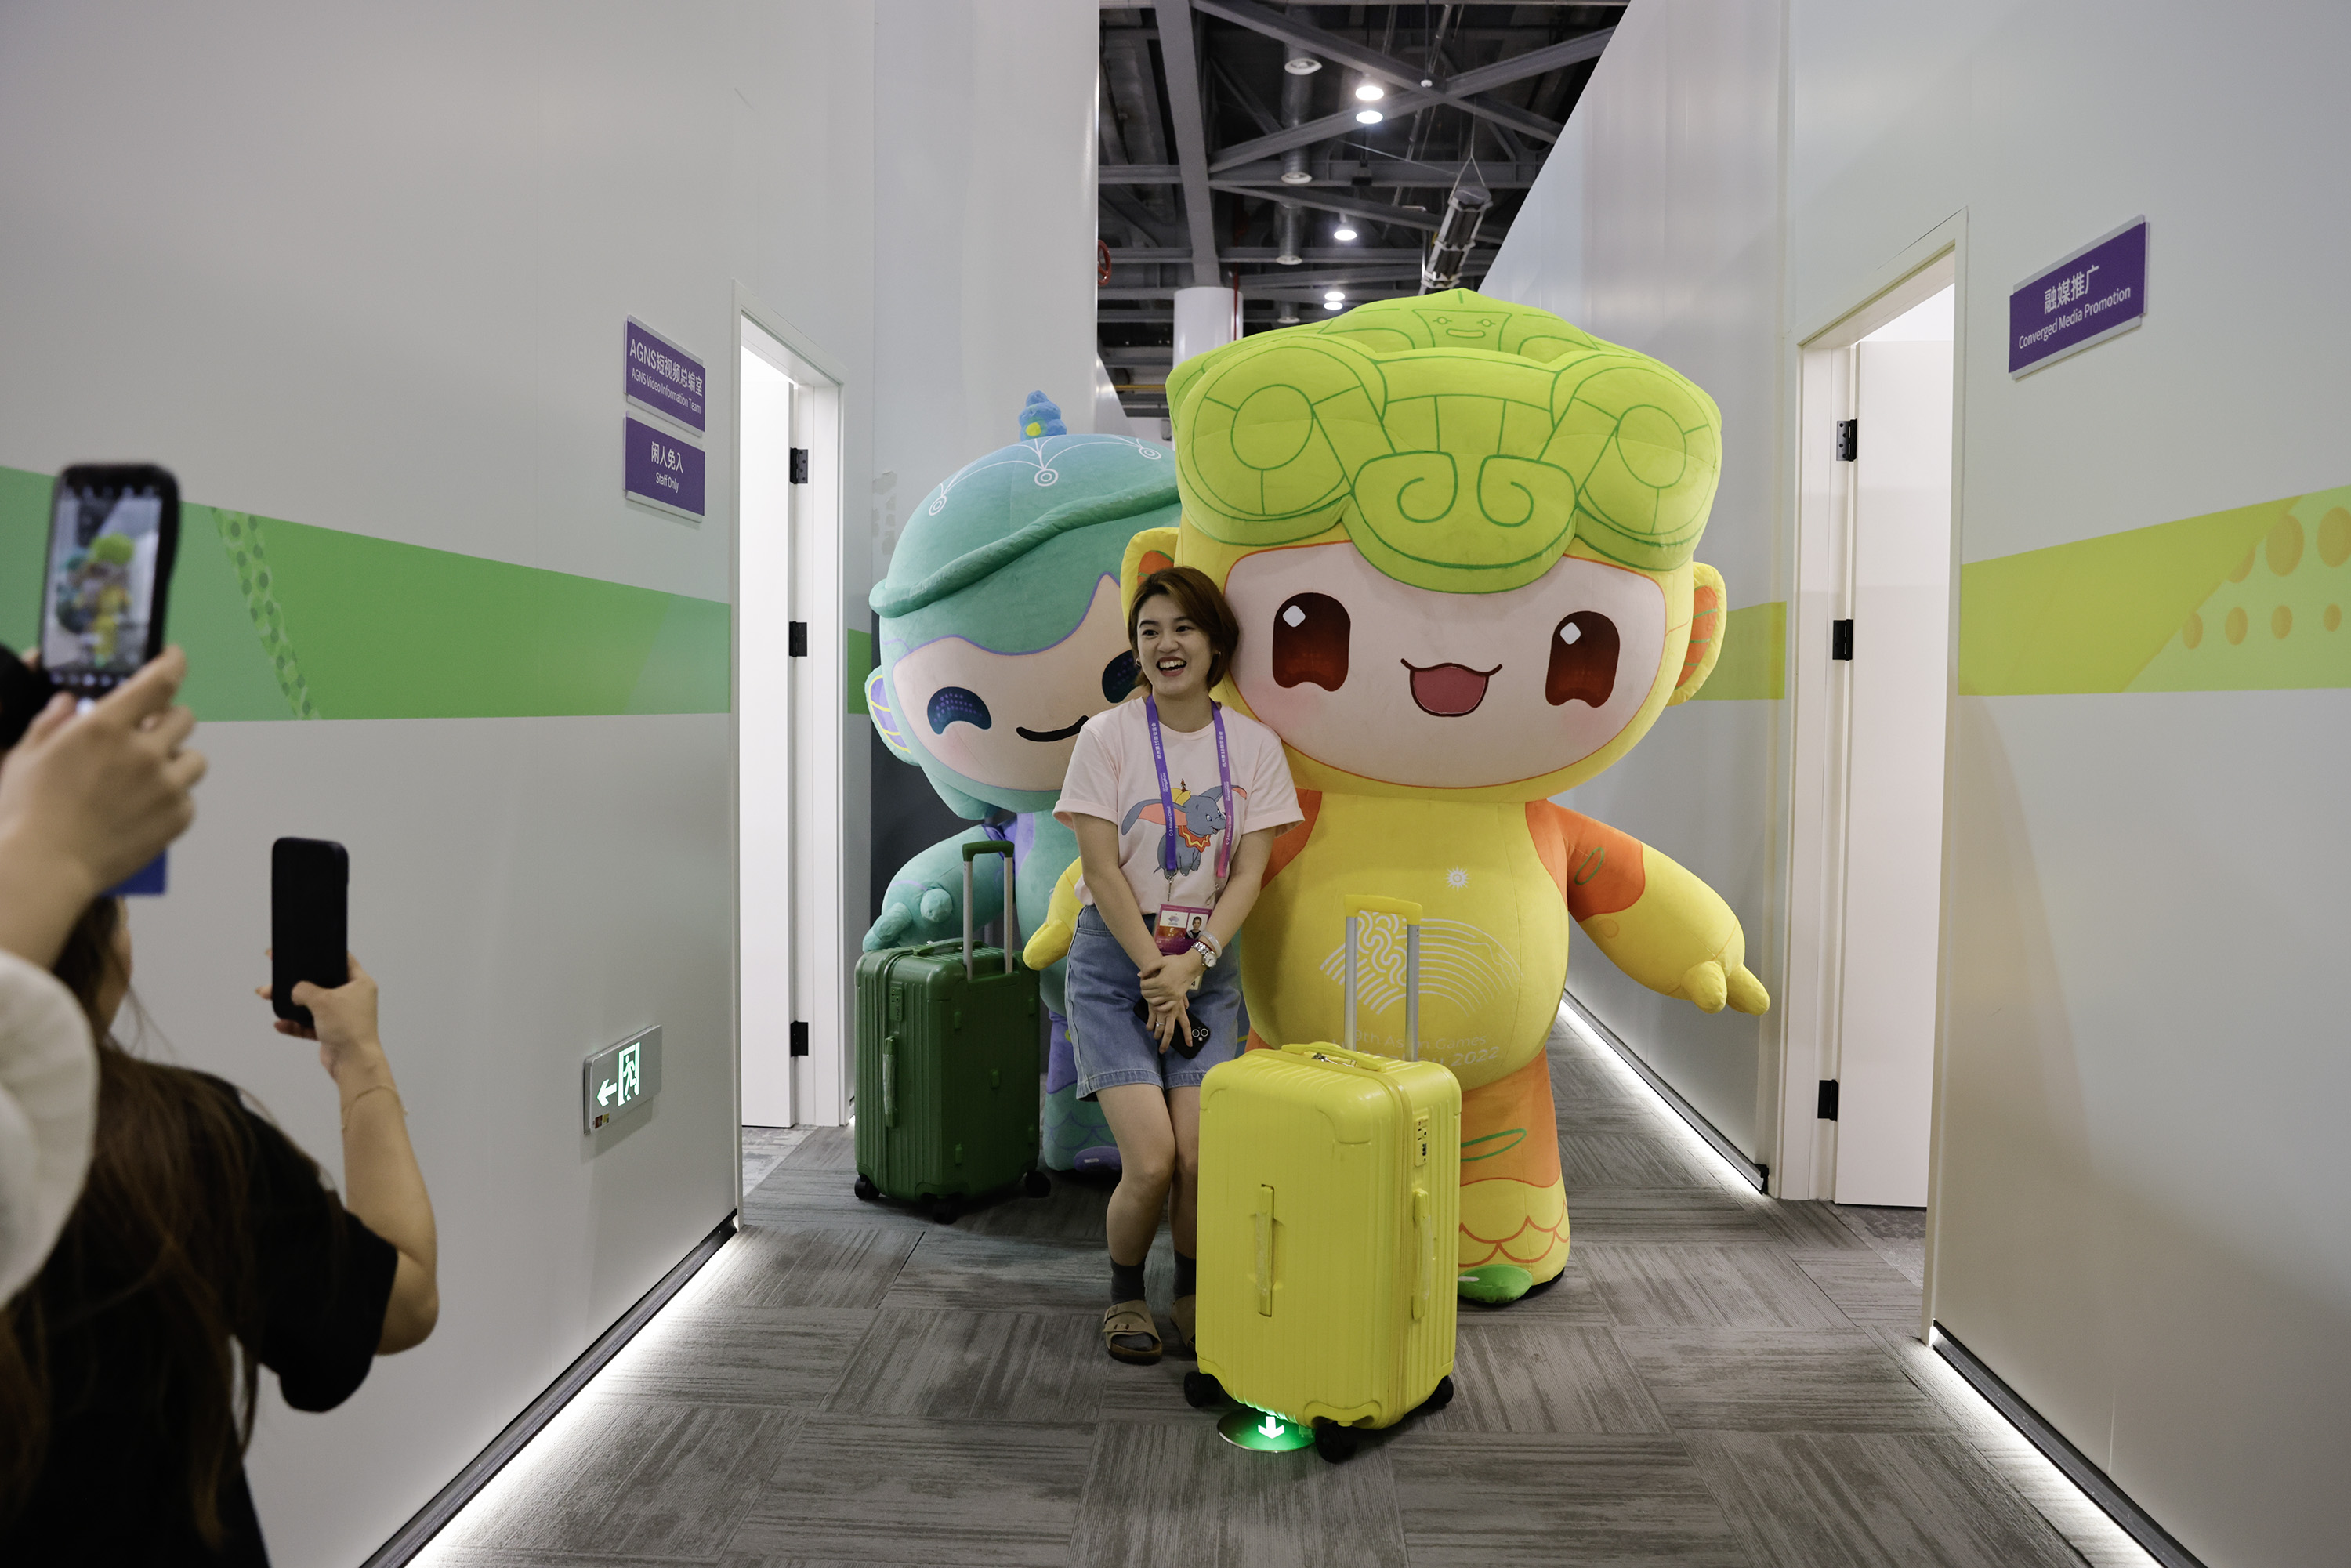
1329,1204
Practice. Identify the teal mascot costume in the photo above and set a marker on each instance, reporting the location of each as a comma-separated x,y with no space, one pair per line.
1001,634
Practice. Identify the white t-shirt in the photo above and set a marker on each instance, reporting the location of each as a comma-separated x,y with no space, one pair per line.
1111,776
48,1112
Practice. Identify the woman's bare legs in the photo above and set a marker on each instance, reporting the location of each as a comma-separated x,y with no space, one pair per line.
1183,1118
1139,1119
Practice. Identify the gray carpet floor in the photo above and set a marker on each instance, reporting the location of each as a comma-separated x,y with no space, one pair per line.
1719,1378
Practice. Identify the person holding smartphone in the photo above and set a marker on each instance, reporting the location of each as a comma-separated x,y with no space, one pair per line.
1176,801
205,1246
82,806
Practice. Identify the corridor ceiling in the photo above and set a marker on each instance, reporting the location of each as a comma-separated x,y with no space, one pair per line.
1200,121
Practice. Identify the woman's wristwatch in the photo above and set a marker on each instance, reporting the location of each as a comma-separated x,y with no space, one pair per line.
1209,949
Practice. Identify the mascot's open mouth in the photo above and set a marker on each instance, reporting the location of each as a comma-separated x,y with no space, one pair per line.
1063,734
1448,691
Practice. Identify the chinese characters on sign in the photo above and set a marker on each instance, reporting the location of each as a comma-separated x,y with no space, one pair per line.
661,471
658,469
663,379
2083,299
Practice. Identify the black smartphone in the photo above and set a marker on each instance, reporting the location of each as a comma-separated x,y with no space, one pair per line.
309,920
114,532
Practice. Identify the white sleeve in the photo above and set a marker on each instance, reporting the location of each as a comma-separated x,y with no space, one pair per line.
48,1112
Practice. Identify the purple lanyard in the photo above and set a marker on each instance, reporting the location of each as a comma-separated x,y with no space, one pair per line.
1167,795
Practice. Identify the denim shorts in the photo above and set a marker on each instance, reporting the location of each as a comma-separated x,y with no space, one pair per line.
1116,1046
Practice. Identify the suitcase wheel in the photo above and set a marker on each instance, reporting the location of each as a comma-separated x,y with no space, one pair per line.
1439,1396
1333,1442
944,1210
865,1190
1037,1184
1202,1392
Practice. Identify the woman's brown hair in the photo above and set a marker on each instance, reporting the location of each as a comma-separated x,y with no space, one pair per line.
1203,603
156,1256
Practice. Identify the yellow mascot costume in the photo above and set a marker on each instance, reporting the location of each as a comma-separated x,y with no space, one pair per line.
1458,535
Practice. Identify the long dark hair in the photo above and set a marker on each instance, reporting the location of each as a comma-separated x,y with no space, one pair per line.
158,1250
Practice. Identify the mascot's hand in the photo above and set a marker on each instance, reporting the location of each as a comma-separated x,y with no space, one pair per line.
1050,943
890,931
1709,986
938,904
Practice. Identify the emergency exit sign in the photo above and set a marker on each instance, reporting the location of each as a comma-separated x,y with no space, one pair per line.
620,1078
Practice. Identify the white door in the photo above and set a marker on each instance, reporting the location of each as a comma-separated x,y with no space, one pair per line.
763,705
1901,552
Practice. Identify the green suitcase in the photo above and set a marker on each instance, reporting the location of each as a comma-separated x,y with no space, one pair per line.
947,1064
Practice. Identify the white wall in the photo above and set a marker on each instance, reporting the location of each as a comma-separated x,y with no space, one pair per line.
1655,224
2140,1219
983,146
366,269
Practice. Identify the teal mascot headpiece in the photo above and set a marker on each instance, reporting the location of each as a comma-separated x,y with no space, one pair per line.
1001,634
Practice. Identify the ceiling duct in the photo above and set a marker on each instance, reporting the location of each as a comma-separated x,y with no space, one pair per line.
1296,101
1457,231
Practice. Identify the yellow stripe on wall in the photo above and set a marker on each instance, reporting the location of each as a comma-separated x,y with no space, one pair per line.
2250,599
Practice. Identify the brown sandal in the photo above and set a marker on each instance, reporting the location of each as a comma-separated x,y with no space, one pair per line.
1131,1334
1186,1313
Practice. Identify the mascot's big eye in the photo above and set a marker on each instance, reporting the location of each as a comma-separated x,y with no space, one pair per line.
952,705
1309,641
1118,677
1582,660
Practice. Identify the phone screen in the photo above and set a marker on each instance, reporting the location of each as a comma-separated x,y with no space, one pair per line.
110,549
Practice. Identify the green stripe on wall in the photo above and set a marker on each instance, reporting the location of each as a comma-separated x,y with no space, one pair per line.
284,620
2245,599
1753,665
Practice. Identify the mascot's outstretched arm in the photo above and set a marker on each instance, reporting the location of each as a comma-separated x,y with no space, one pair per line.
925,901
1050,943
1653,919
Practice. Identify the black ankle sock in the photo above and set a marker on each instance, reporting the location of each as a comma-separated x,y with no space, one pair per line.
1187,1275
1125,1281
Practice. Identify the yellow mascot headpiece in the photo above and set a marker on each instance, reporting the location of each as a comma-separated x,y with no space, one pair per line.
1461,442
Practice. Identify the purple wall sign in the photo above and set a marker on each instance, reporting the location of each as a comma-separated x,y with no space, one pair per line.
661,470
661,378
2092,294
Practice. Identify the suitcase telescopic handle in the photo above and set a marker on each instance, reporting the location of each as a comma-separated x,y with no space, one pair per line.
1362,904
971,852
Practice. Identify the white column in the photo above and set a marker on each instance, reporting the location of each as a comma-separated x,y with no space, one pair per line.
1204,320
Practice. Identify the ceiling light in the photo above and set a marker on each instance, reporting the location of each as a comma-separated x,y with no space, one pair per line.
1302,65
1333,296
1335,305
1370,91
1368,117
1345,230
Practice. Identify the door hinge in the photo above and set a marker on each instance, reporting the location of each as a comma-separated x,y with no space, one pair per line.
1840,639
1848,437
800,1037
799,466
797,645
1827,1111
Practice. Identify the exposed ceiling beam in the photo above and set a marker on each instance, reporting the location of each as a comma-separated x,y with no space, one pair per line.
1535,62
1263,254
1301,291
1333,172
1182,59
1353,206
1370,62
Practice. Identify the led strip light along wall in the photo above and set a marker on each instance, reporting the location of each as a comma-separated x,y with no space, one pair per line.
1581,1019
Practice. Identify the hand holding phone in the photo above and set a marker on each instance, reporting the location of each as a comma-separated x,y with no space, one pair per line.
309,921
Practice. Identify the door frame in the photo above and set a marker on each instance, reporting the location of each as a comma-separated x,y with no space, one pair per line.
1819,374
817,868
